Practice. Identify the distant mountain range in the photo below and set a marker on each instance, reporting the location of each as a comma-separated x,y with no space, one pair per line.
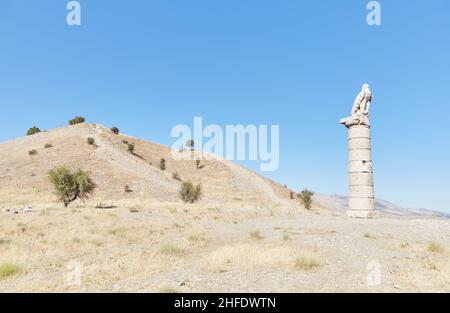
341,203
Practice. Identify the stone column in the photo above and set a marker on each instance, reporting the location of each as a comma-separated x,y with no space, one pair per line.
360,173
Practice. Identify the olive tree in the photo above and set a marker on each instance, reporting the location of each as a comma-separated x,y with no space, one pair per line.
70,186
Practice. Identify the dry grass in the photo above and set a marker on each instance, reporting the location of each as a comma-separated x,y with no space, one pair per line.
435,247
404,245
134,210
171,249
8,269
4,242
369,236
306,263
195,238
244,256
255,235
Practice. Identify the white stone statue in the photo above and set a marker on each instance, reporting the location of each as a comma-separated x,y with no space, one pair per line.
361,108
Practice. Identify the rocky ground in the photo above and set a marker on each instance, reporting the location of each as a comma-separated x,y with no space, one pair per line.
154,248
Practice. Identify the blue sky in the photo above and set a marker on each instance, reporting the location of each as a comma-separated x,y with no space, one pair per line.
146,66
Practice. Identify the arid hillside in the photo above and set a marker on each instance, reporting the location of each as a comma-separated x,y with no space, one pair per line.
24,177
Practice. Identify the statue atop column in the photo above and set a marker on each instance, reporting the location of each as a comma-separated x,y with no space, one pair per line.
360,171
360,109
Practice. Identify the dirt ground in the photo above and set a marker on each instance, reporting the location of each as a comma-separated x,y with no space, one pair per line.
193,248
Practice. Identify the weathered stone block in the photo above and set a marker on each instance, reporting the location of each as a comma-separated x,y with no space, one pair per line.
359,131
360,155
360,179
361,192
362,203
359,143
361,214
359,167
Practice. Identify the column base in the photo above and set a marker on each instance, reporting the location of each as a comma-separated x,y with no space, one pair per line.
360,214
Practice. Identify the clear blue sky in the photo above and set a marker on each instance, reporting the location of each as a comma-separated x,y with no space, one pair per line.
145,66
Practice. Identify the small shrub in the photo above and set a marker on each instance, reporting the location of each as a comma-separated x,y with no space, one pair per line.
190,193
306,263
162,164
77,120
134,210
33,130
176,176
48,146
190,144
170,249
8,269
115,130
291,196
4,241
198,164
71,186
306,196
194,237
285,237
128,189
404,245
256,235
435,247
90,141
32,152
125,141
131,147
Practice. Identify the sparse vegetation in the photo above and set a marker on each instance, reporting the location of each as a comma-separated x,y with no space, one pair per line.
190,193
77,120
170,249
306,196
435,247
131,147
8,269
162,164
176,176
198,164
190,144
4,241
33,130
256,235
194,237
369,236
306,263
404,245
32,152
134,210
90,141
48,146
115,130
71,186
